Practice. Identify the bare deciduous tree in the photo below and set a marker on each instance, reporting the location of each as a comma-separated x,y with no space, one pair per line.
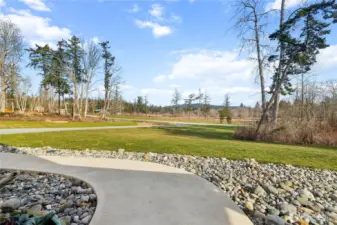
91,59
11,49
22,93
251,21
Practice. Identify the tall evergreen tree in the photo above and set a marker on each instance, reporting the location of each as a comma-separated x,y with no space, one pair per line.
57,78
176,98
40,59
74,52
300,38
109,62
205,106
189,104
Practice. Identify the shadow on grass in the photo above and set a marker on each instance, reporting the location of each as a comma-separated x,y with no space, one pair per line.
224,133
209,132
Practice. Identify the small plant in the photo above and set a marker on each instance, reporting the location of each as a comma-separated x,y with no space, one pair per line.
229,119
222,115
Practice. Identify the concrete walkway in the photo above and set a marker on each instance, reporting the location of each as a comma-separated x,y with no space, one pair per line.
40,130
140,193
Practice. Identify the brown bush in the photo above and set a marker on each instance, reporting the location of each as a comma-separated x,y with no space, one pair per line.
292,132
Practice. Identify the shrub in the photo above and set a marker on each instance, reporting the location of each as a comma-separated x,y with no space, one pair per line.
292,132
229,119
245,133
222,115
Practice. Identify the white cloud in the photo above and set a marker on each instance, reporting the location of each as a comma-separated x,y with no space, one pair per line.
277,4
38,5
155,91
174,85
157,29
125,87
134,9
2,3
35,29
157,11
95,39
327,58
208,65
217,72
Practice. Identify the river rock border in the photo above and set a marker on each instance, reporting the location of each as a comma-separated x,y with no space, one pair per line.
37,194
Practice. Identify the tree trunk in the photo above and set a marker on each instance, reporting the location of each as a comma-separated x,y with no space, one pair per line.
106,100
302,95
75,100
86,100
3,86
65,106
276,107
3,95
280,73
259,60
59,97
81,99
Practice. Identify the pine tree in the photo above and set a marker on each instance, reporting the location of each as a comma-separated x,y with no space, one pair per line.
300,38
57,77
74,52
109,62
40,58
175,100
205,106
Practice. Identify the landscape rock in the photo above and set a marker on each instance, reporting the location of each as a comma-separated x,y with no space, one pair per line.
260,191
85,198
287,208
65,220
86,219
249,205
306,194
271,189
34,209
10,205
274,220
37,194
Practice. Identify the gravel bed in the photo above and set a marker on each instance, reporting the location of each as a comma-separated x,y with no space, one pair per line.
37,194
270,194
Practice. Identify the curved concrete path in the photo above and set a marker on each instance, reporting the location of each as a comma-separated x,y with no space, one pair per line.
139,193
41,130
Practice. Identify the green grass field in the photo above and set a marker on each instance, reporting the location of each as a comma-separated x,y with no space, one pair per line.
200,141
37,124
179,119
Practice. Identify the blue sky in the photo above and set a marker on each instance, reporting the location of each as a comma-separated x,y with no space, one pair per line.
160,45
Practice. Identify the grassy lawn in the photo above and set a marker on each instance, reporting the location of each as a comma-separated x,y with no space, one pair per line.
201,141
38,124
180,119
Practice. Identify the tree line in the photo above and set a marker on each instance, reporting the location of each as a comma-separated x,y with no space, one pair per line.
68,71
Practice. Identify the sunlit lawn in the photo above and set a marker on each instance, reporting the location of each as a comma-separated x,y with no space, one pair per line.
200,141
38,124
180,119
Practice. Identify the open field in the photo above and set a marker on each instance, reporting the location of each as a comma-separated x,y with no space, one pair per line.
181,119
54,124
200,141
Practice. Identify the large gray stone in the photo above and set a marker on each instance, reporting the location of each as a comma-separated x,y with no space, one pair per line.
274,220
287,208
10,205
